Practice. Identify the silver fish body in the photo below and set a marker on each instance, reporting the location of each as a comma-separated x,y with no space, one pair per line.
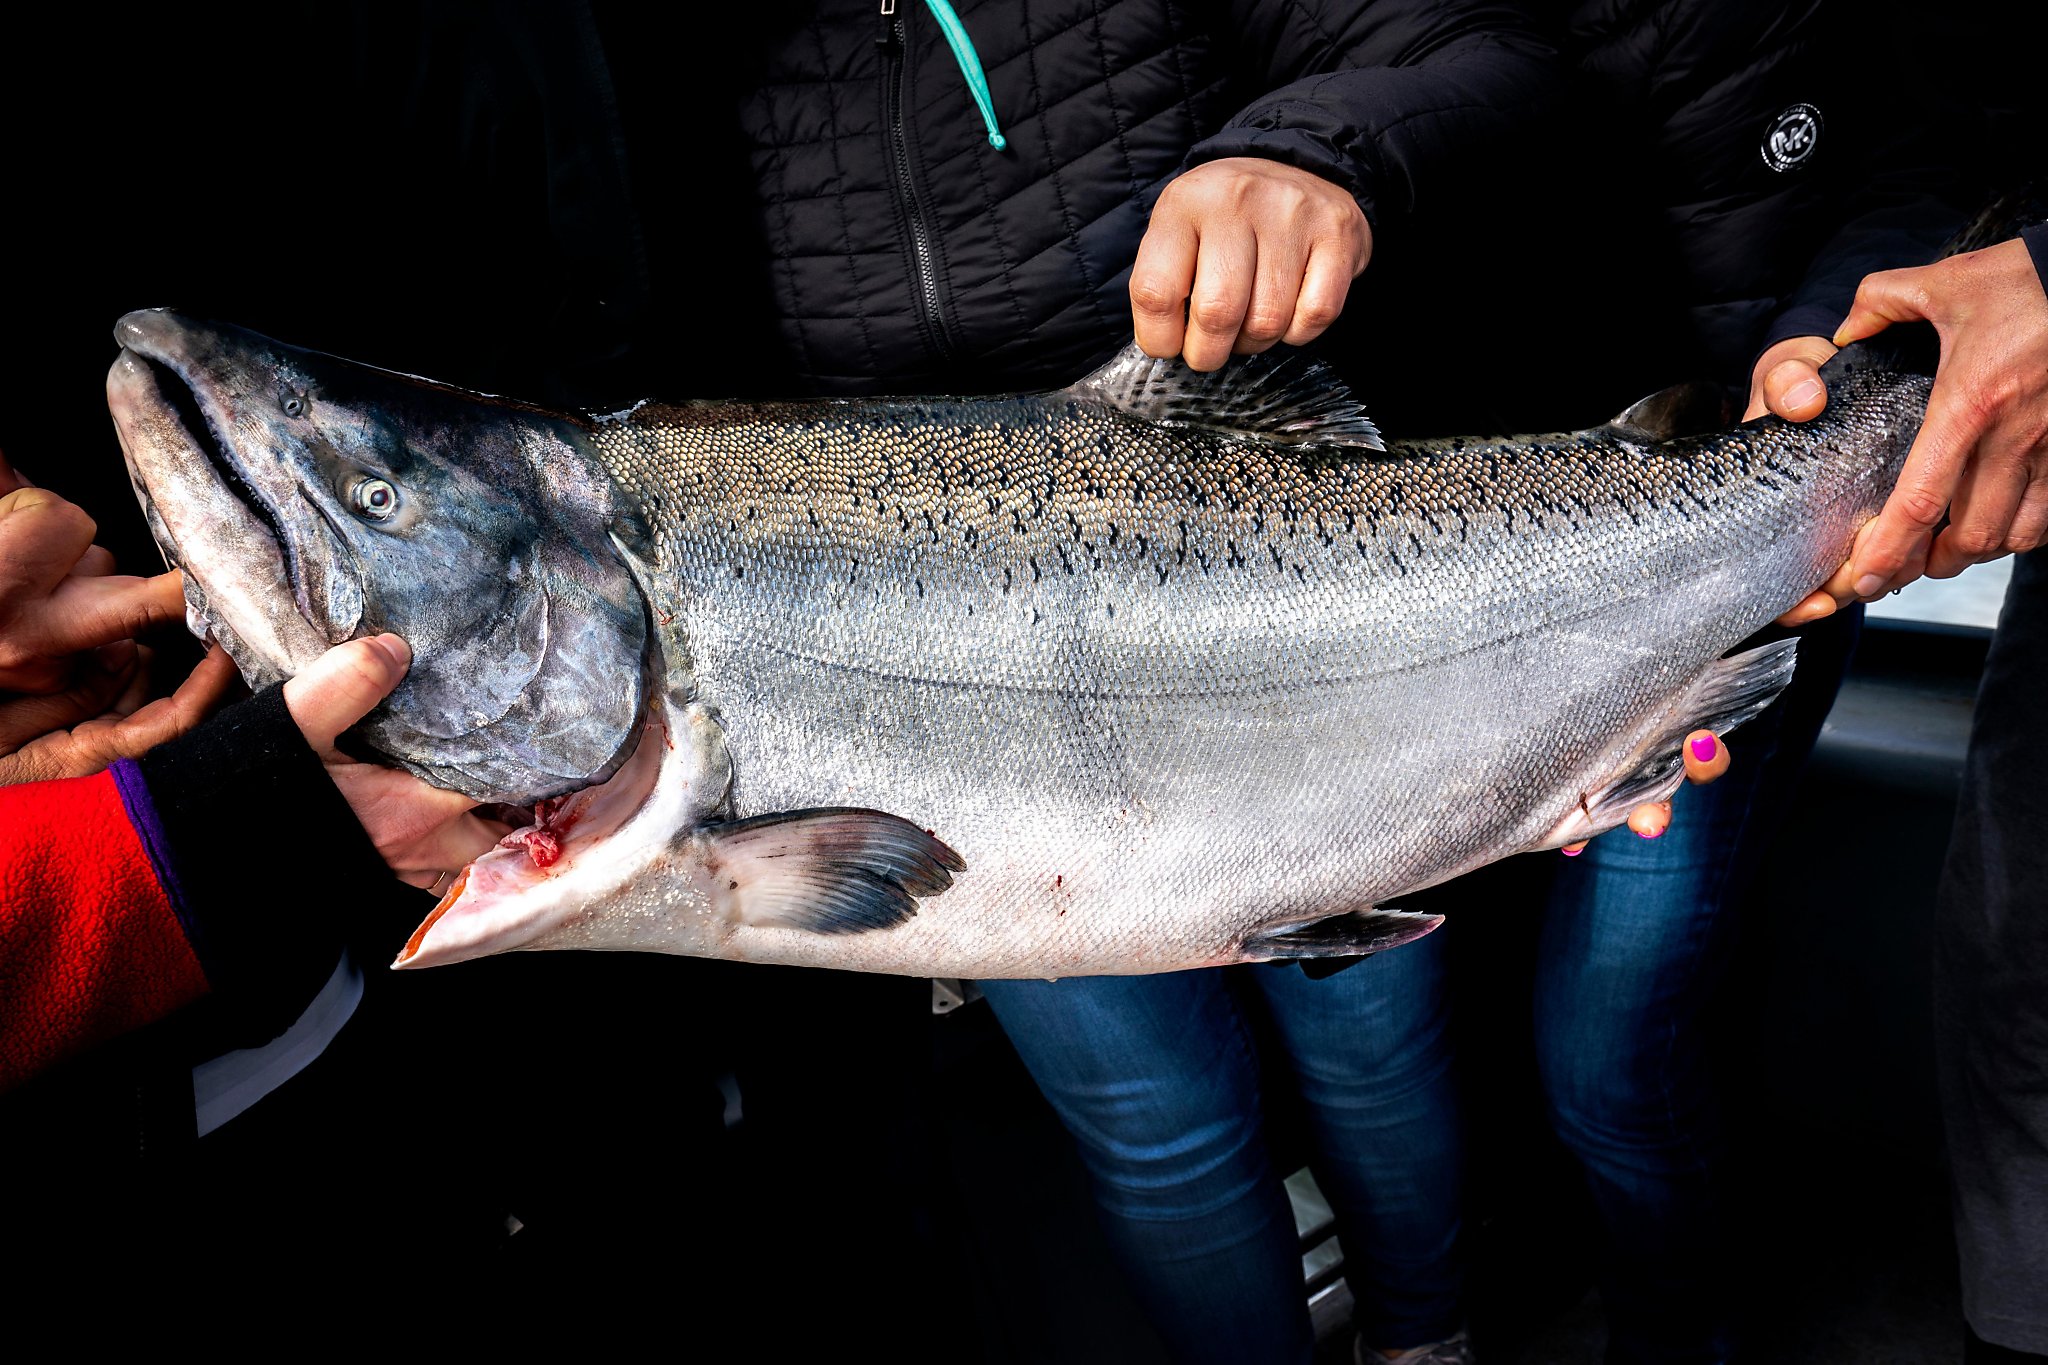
1169,693
1142,675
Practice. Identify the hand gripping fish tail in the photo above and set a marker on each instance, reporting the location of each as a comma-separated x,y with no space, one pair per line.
1158,671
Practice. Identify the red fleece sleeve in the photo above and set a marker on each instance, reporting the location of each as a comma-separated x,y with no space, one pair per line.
90,945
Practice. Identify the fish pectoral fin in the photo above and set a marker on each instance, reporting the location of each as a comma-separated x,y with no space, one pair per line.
1282,396
1354,933
829,870
1730,692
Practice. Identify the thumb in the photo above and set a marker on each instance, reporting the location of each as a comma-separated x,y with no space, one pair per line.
1882,299
1794,390
341,686
1786,380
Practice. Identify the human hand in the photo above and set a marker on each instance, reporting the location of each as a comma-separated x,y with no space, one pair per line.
59,596
1242,253
1706,758
1981,458
73,683
423,833
103,715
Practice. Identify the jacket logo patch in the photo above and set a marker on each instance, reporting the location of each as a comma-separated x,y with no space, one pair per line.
1791,138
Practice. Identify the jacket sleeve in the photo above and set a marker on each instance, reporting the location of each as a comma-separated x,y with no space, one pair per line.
1387,99
222,863
1964,128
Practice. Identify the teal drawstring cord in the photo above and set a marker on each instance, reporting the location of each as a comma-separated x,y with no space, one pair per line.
970,67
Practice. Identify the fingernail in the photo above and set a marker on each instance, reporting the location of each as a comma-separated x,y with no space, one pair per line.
1805,392
394,648
1868,585
1703,748
1655,832
1573,850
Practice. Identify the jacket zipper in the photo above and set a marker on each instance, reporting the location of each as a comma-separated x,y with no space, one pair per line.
924,274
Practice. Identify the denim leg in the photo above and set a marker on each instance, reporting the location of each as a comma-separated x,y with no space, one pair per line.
1157,1080
1635,935
1371,1054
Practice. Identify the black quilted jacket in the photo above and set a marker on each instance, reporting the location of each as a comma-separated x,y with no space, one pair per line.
1772,152
804,198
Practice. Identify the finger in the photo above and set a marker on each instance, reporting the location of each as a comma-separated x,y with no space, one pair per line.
1794,391
96,562
1882,299
1981,513
1706,757
1651,819
1276,287
83,612
2030,522
456,844
1574,850
1225,269
1815,606
1160,279
166,718
131,658
41,537
1325,285
342,686
1920,498
26,719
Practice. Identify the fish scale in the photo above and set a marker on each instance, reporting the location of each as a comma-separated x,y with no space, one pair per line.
1159,671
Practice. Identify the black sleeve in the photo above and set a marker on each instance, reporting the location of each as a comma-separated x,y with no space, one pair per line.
1387,99
268,859
1965,129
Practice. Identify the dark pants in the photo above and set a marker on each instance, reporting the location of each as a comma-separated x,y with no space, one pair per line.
1158,1079
1635,941
1991,982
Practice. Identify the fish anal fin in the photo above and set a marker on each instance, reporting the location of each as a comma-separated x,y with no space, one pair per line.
828,870
1283,397
1731,691
1355,933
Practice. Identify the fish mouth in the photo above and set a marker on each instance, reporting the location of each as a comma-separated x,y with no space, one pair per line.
207,519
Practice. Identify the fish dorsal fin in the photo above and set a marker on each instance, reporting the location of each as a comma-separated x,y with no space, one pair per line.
1283,396
1690,409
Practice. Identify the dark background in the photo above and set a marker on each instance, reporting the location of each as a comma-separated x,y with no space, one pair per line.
257,167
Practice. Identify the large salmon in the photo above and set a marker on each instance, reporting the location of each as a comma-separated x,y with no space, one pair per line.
1157,671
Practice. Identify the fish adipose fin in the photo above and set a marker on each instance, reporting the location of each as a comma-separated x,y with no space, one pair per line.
1690,409
1727,694
1283,396
1352,934
831,870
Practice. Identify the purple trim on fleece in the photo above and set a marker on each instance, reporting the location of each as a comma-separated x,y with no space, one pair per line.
135,798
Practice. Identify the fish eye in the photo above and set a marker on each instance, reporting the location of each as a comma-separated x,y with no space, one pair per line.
293,405
374,498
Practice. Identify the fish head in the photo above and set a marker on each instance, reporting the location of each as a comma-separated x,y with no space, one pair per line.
310,500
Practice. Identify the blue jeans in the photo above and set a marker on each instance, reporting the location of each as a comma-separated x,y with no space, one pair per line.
1635,937
1158,1080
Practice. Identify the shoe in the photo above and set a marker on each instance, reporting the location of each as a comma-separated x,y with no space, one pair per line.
1453,1350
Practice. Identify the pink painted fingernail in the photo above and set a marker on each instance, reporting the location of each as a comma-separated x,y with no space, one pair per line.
1571,850
1651,833
1703,748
